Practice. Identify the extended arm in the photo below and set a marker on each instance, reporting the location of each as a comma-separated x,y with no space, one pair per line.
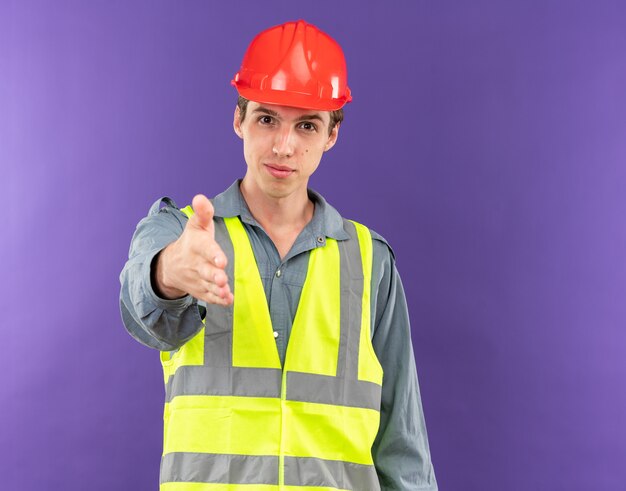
172,262
154,321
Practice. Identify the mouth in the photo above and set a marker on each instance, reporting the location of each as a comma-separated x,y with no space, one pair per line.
279,171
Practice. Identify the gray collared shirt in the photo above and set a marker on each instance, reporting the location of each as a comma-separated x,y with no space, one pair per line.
401,454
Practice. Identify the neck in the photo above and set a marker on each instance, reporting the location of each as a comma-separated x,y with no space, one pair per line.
278,214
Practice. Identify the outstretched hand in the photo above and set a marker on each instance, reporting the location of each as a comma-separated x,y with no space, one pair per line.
195,263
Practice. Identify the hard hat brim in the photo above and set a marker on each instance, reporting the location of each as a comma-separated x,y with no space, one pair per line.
291,99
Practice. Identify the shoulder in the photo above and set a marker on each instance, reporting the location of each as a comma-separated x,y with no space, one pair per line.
165,205
383,272
163,224
164,219
381,244
164,212
381,247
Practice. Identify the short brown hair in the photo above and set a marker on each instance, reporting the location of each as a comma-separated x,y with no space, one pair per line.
336,117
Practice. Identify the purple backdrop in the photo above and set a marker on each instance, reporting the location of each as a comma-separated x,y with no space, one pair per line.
486,142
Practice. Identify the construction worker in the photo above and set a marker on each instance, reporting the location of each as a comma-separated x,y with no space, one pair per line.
283,327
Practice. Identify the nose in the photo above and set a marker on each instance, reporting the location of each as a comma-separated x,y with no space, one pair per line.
284,143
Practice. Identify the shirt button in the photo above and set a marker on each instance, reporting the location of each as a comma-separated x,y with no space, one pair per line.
275,334
278,273
320,239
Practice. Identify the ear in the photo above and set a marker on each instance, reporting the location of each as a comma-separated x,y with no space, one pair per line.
237,122
332,138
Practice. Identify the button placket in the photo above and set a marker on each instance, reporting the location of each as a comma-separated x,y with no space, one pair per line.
277,286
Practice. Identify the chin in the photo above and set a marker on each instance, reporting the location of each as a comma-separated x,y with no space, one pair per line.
279,189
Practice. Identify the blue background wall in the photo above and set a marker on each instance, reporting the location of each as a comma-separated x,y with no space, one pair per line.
486,142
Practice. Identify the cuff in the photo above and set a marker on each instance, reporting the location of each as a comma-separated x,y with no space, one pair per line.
152,300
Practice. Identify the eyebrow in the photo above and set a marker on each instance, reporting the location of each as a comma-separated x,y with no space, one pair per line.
304,117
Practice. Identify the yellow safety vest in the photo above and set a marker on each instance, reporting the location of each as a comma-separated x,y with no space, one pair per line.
236,420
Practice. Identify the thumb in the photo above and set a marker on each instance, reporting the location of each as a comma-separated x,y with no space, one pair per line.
203,212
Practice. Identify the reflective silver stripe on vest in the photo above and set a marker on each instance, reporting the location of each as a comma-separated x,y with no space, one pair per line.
308,387
218,468
351,300
265,382
223,381
218,331
301,471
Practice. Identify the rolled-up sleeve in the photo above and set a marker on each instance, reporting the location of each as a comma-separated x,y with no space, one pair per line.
401,453
153,321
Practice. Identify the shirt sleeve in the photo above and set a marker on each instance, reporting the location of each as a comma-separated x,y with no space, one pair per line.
400,452
153,321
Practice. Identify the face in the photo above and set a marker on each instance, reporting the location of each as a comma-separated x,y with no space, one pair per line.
282,146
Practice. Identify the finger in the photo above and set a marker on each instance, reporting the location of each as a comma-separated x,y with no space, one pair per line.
219,291
216,294
220,279
214,279
203,212
212,252
210,297
227,300
210,274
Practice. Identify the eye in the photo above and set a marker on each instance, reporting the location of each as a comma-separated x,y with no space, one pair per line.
308,126
265,119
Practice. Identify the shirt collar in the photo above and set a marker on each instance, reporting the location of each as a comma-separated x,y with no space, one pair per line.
326,221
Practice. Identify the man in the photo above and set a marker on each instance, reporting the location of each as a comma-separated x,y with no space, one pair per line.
283,328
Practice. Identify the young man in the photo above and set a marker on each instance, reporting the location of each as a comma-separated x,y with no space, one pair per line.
283,327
